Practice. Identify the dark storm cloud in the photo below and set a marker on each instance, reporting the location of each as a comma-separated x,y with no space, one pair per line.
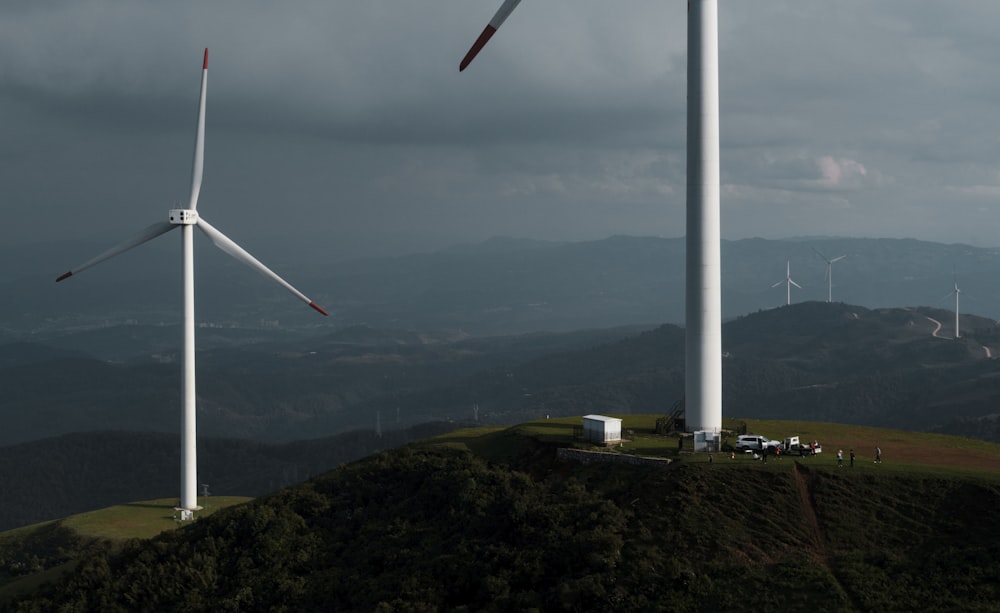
352,121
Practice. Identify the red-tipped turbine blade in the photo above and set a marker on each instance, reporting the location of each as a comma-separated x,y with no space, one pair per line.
148,234
501,15
225,243
198,165
477,47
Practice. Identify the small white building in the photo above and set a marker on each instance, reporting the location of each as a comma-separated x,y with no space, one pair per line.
602,430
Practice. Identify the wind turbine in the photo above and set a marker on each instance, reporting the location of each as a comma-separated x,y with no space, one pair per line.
829,272
703,306
956,292
788,282
187,219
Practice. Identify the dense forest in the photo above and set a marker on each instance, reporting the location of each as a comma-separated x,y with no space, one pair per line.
435,527
55,477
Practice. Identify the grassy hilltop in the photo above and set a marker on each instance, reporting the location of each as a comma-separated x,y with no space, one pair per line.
490,519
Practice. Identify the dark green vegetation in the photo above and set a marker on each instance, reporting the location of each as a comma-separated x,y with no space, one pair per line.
82,363
811,361
265,390
819,361
73,473
491,520
35,554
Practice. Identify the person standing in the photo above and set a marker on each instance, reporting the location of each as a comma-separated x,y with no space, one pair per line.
852,458
840,458
878,455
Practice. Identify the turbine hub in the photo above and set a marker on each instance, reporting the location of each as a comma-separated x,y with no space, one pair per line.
183,217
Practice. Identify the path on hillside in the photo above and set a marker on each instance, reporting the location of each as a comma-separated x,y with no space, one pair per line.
937,325
937,328
801,474
809,511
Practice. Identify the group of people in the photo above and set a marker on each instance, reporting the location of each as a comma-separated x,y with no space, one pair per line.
840,457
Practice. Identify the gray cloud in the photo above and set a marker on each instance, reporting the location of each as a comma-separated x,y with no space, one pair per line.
348,126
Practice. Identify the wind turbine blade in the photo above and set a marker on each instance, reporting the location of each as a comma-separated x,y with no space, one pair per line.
198,166
501,15
782,282
820,254
838,258
146,235
223,242
795,284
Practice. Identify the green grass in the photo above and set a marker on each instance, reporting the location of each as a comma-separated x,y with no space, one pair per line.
143,519
903,452
77,533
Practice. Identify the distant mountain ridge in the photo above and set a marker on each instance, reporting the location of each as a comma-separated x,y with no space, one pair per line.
499,287
818,361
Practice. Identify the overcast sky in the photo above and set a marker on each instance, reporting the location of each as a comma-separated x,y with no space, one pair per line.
348,124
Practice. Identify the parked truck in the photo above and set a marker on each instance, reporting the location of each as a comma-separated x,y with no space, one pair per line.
792,446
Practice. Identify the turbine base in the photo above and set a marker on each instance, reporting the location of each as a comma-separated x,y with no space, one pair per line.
184,514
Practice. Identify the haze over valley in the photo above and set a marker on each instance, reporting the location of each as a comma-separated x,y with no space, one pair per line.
499,333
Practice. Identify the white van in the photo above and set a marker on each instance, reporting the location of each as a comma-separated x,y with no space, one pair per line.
751,441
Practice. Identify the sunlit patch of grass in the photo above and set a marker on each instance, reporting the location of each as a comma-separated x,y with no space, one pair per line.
903,452
143,519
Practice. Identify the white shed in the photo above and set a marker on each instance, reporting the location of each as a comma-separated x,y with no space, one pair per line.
602,430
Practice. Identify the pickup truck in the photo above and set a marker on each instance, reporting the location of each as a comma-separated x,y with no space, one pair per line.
792,446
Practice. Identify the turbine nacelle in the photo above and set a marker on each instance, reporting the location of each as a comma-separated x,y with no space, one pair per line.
183,217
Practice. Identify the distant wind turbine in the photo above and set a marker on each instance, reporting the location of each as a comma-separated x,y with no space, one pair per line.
788,282
186,219
956,292
703,290
829,272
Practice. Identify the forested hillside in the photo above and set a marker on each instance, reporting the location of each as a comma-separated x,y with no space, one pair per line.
52,478
438,527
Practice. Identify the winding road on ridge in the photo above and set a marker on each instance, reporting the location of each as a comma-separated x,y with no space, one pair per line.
937,328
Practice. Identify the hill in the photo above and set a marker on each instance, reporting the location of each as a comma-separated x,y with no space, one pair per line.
811,361
497,288
829,362
814,360
59,476
259,387
493,520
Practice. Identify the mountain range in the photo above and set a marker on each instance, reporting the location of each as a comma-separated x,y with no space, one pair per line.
816,361
417,340
500,287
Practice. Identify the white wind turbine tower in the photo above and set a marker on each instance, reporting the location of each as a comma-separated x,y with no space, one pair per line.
829,272
703,339
956,292
186,219
788,282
